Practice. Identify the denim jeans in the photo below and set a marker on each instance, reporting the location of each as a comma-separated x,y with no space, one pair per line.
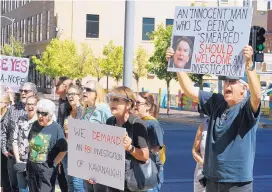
22,182
75,184
213,186
158,187
12,174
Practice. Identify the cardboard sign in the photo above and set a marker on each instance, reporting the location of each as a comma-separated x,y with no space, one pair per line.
14,71
210,40
96,151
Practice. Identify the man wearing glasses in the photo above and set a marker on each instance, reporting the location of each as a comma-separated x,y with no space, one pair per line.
15,111
63,112
231,137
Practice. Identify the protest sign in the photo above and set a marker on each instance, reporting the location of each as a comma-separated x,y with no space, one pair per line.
14,71
96,151
210,40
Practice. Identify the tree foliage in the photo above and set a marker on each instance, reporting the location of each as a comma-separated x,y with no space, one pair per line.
97,68
59,59
85,61
162,39
140,65
112,64
18,48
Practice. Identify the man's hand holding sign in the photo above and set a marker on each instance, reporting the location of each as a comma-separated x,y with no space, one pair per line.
234,116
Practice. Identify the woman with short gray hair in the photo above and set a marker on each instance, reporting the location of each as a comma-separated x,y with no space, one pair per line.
47,147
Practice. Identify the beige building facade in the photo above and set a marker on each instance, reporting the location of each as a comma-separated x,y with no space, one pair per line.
96,23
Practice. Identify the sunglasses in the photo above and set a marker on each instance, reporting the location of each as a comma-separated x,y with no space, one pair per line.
42,113
71,94
116,100
24,90
87,89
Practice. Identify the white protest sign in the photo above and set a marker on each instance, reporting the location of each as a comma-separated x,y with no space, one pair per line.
210,40
14,71
96,151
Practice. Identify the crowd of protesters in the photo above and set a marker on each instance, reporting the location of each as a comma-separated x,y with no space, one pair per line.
34,141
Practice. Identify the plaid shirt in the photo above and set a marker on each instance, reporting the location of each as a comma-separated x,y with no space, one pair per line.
9,122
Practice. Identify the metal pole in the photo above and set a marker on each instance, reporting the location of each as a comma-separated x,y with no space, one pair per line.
220,84
12,36
128,43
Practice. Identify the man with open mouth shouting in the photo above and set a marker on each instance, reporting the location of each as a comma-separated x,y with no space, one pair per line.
231,136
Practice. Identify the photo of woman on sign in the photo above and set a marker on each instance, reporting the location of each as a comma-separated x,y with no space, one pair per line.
182,48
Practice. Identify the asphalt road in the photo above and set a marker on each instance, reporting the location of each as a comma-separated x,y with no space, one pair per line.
179,166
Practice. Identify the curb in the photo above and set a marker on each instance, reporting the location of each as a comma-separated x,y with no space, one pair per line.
200,120
181,120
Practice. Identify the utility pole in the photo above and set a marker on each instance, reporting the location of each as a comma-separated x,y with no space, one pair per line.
129,43
12,23
220,84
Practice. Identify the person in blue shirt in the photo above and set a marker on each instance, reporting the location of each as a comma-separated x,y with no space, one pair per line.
231,136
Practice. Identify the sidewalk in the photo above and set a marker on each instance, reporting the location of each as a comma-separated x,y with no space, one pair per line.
187,117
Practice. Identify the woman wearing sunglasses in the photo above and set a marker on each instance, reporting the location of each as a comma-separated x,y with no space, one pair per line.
147,110
4,104
121,101
47,147
20,141
76,112
95,110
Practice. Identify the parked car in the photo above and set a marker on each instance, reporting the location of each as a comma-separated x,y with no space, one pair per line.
209,87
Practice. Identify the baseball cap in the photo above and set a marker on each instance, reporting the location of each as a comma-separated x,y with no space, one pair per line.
242,79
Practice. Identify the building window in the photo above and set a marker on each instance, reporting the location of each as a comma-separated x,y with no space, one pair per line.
92,26
47,24
41,37
169,22
37,28
24,31
28,30
148,27
32,29
21,30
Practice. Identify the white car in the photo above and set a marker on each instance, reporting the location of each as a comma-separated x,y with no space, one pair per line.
206,87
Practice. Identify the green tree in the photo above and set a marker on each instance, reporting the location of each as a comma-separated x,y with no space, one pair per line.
162,39
97,68
140,65
59,59
86,61
112,64
18,48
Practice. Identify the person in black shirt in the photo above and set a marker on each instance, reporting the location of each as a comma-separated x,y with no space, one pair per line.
47,147
122,101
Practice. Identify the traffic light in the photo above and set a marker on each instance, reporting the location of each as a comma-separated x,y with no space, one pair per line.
259,42
260,39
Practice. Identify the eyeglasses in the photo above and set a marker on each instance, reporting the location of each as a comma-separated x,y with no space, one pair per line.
116,100
71,94
140,103
24,90
42,113
29,104
87,89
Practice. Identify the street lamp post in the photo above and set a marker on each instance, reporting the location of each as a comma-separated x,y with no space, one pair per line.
12,22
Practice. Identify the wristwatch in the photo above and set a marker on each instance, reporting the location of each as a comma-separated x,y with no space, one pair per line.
131,149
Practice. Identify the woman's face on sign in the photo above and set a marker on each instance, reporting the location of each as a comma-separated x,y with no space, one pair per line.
182,54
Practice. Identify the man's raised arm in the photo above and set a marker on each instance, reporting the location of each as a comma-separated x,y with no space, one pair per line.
253,80
184,80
